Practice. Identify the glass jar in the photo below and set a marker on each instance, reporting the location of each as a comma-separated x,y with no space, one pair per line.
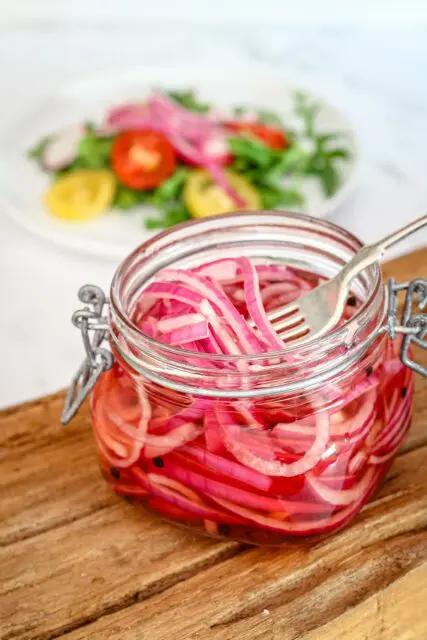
259,448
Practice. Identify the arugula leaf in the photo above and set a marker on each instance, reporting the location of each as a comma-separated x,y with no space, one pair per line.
330,179
173,214
322,167
126,198
321,162
36,152
189,100
307,111
328,176
252,151
322,139
270,119
95,151
171,188
275,197
239,112
74,166
263,165
291,160
265,168
336,152
263,116
342,154
167,198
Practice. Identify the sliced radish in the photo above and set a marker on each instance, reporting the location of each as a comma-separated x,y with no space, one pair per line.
63,148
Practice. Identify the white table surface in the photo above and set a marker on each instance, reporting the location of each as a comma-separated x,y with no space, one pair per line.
378,77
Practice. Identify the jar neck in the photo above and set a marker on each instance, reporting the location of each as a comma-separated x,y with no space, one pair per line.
303,242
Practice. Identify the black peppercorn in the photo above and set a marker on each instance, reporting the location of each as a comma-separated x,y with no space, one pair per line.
224,529
403,391
115,473
352,301
158,462
369,371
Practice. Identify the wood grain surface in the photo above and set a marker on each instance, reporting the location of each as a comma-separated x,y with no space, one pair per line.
77,562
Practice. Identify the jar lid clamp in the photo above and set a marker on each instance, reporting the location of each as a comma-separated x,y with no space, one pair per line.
94,327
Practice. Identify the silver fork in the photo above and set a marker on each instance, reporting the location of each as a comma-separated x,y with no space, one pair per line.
317,311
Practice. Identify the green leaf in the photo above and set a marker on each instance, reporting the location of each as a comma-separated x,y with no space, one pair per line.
329,178
251,150
307,111
291,160
239,112
270,119
241,165
322,139
188,100
273,198
321,162
36,152
291,197
90,127
173,214
79,163
95,151
264,116
342,154
126,198
154,223
171,188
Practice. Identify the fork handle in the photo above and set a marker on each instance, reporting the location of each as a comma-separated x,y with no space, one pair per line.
400,234
373,252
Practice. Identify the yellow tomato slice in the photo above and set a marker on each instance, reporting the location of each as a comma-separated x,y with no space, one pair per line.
203,197
81,195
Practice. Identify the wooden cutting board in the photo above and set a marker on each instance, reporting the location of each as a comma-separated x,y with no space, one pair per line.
76,562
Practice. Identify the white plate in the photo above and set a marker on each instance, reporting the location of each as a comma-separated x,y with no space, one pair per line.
116,234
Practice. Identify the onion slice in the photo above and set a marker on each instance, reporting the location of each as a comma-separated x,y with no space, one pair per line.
231,432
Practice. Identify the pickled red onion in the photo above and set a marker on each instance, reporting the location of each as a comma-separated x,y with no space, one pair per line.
342,496
184,502
299,466
300,528
228,467
231,432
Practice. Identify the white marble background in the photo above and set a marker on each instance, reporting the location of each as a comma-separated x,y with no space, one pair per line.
377,75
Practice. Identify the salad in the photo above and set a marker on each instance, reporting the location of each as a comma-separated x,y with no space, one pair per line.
188,160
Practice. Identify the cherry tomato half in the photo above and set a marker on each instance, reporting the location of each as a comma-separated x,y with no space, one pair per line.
81,195
142,158
272,137
204,197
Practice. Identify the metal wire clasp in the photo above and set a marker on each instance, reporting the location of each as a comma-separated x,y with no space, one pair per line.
412,325
94,327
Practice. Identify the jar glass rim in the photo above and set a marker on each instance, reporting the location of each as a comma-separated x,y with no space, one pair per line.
165,238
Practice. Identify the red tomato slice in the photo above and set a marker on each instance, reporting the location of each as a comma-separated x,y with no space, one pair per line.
142,158
272,137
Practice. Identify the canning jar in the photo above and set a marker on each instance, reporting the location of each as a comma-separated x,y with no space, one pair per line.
258,446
